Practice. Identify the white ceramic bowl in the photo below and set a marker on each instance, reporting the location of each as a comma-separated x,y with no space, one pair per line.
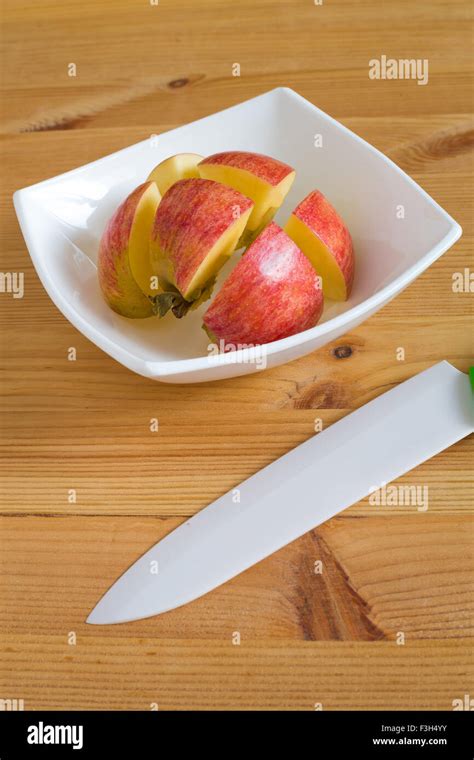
62,220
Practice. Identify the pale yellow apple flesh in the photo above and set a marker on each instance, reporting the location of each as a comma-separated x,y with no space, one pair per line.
169,171
139,243
334,285
126,239
267,198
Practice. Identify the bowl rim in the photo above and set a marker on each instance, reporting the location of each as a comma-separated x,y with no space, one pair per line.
164,368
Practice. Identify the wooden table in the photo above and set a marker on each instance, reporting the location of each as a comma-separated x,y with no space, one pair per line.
306,639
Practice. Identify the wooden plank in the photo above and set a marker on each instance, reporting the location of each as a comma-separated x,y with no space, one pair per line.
180,60
116,466
113,673
379,576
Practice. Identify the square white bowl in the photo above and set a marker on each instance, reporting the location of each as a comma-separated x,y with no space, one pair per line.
398,231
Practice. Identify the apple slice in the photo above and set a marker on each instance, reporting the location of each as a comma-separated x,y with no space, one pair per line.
262,178
196,228
124,264
174,168
316,228
272,293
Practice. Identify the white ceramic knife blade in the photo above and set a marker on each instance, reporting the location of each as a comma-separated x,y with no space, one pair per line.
332,470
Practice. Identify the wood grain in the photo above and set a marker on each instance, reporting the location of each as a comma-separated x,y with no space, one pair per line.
380,575
116,674
84,425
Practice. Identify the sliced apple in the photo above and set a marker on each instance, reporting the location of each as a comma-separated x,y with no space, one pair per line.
262,178
124,264
174,168
316,228
272,293
197,226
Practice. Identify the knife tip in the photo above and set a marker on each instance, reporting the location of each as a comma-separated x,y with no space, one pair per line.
100,614
93,618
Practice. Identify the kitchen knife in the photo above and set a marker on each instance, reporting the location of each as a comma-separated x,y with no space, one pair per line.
335,468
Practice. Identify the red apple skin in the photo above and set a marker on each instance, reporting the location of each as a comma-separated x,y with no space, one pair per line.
115,277
272,293
268,169
192,216
322,218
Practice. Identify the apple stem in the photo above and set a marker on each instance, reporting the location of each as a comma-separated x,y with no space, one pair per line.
173,300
